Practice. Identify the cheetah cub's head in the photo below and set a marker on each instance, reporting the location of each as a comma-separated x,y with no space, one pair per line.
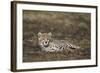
44,39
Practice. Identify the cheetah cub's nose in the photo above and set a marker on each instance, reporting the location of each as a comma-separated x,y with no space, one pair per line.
45,42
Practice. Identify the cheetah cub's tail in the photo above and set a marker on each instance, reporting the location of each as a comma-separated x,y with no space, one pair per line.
73,46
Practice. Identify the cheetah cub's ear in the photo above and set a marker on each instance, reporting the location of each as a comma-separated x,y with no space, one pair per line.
50,34
39,34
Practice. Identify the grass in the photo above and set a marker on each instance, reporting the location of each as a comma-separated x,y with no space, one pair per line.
73,27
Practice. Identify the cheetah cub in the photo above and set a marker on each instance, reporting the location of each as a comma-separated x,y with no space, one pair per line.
48,44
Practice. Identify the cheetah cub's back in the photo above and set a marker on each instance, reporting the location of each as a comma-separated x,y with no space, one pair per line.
49,44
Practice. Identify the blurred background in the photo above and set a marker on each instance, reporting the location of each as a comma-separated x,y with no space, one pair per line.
70,26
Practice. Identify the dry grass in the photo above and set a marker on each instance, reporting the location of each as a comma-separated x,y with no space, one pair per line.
73,27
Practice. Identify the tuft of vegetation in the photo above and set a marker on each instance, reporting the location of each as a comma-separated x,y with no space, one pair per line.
70,26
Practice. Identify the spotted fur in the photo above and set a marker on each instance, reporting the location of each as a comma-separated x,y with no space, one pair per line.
50,45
